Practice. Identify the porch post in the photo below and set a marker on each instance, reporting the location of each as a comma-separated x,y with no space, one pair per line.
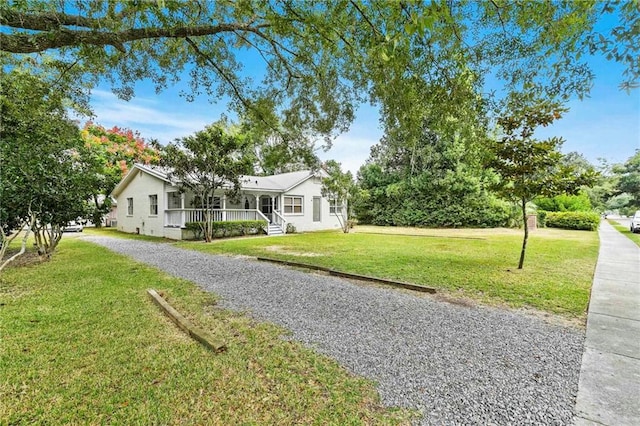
224,206
182,212
257,204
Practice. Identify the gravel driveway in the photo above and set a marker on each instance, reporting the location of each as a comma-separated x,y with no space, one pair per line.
456,364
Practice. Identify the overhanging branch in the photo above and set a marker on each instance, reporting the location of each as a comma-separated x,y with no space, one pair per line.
63,37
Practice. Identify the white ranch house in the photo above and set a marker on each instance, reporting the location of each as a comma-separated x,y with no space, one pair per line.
149,203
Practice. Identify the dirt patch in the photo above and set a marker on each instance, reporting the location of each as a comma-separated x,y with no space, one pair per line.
548,317
455,300
26,259
284,250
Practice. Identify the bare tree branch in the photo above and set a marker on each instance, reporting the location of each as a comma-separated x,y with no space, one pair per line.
226,78
45,21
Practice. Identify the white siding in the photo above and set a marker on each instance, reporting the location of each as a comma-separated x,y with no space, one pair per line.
141,186
304,222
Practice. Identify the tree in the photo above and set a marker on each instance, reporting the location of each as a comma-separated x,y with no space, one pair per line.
321,59
111,153
431,178
581,201
210,160
340,189
42,184
629,178
565,203
528,167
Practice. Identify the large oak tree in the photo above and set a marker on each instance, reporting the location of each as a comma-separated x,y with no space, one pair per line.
323,58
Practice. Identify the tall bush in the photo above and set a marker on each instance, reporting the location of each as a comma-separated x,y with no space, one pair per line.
230,228
585,221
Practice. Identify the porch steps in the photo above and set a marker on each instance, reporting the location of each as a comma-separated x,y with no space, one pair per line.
274,230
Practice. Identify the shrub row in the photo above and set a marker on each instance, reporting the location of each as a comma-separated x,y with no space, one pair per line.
586,221
229,229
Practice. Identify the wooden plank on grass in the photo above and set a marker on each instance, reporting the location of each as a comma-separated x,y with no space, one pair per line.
296,264
400,284
196,333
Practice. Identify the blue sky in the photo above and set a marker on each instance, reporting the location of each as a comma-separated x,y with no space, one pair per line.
605,125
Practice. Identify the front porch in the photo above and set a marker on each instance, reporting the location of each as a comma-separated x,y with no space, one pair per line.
242,208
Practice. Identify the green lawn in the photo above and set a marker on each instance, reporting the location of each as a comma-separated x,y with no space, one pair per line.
625,231
81,343
480,264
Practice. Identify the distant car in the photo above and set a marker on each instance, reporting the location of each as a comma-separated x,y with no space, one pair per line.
635,222
73,227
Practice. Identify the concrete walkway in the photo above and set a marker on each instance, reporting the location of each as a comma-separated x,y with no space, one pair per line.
609,387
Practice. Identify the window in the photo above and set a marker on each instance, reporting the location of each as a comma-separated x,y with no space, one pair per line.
175,200
130,206
153,204
335,206
214,203
293,205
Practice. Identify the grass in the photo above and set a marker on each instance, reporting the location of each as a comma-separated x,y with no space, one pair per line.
479,264
625,231
113,232
83,344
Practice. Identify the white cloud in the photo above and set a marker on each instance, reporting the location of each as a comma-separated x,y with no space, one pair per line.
351,150
166,118
152,119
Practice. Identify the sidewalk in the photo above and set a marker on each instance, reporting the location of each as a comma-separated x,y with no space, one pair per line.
609,387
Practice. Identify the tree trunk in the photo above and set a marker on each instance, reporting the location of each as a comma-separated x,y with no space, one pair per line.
98,212
23,247
208,226
526,233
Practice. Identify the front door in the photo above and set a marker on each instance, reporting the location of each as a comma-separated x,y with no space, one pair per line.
266,207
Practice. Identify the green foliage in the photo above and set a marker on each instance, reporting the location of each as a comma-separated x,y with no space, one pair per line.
564,203
528,167
618,202
542,218
111,153
431,185
340,189
321,59
42,173
211,159
629,211
629,178
585,221
232,228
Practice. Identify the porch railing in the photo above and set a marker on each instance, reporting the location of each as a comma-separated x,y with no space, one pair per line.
280,221
179,217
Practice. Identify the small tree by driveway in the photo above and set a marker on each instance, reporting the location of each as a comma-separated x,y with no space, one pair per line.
529,167
339,188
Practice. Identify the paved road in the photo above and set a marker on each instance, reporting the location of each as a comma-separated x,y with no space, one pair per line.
456,364
609,392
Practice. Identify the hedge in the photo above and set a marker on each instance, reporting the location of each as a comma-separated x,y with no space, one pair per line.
586,221
230,228
542,218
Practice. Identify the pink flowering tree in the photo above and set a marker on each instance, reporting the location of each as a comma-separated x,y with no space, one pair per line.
112,153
